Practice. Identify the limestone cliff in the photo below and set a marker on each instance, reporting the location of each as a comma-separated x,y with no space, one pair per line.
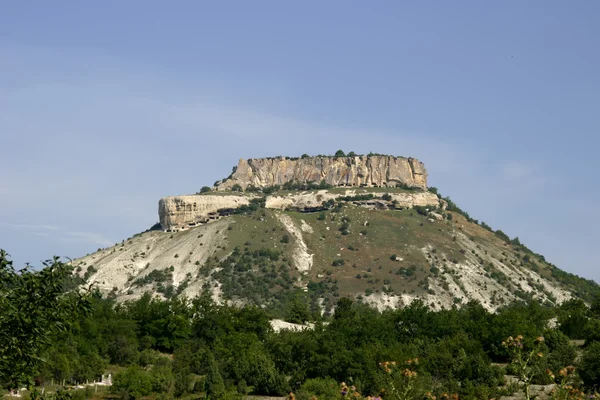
182,212
336,171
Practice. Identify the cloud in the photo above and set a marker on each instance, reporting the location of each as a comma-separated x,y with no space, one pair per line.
88,237
524,176
58,233
29,227
516,170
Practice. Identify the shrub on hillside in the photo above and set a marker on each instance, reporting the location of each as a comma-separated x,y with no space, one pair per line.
132,383
321,388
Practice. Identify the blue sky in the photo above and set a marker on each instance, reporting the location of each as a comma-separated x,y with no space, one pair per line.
105,107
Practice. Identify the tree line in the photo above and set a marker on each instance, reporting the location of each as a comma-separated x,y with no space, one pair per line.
195,348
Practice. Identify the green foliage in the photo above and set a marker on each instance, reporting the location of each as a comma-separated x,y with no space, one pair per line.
321,388
421,210
35,309
214,385
590,365
154,276
452,206
526,360
572,318
205,189
591,332
163,380
236,188
218,348
254,205
132,383
340,153
305,185
299,312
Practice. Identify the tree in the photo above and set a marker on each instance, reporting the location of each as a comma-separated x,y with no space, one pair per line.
352,154
35,308
132,383
205,189
299,311
589,367
214,386
572,318
592,332
236,188
595,307
340,153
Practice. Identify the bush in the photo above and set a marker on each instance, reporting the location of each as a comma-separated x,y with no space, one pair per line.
132,383
421,210
236,188
163,380
321,388
205,189
340,153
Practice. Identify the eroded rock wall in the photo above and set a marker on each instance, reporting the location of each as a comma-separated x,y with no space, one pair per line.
182,212
336,171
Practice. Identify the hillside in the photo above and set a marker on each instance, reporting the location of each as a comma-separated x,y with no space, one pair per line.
383,245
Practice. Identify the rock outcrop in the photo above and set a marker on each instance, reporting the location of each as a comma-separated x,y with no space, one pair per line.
182,212
354,171
306,201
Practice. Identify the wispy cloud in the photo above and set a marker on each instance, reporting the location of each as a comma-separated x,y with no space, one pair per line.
516,170
58,233
29,227
88,237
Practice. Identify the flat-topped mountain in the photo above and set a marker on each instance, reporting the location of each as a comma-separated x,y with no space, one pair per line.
366,227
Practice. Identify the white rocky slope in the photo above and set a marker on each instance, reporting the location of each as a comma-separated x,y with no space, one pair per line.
121,269
118,267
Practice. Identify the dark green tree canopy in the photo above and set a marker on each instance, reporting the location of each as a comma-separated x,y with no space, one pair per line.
35,307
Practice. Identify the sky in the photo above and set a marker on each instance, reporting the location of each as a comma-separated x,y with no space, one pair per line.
105,107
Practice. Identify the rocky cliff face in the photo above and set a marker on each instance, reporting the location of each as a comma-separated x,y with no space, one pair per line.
336,171
182,212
